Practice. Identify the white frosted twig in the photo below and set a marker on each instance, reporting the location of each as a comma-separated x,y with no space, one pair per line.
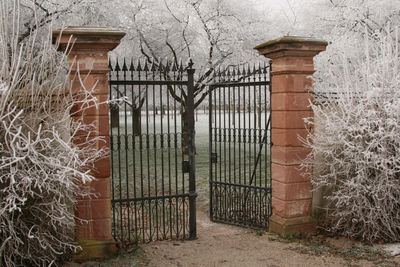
356,138
41,168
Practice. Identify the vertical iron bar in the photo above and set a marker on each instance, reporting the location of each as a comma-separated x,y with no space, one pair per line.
234,151
239,206
124,69
216,155
142,202
215,175
252,201
169,160
162,157
210,150
260,132
229,148
266,126
133,95
156,225
247,204
110,72
255,203
249,129
244,135
220,152
185,130
255,126
169,157
119,159
176,166
270,135
148,154
224,140
192,174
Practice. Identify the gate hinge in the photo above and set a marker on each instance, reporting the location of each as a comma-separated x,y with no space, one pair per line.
185,166
214,158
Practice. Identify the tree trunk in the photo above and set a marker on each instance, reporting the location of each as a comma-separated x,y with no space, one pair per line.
185,134
137,122
114,110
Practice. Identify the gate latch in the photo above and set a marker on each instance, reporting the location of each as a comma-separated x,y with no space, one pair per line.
185,166
214,158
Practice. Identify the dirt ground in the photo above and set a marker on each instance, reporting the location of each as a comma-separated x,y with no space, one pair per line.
224,245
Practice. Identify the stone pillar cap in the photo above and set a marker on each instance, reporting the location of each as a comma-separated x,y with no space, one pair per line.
98,31
87,37
292,46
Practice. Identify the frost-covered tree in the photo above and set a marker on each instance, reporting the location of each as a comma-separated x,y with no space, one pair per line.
41,169
355,143
213,33
37,15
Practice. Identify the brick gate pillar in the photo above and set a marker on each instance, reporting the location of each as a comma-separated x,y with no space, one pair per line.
88,52
292,65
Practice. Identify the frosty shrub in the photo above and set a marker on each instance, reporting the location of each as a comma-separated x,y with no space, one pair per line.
41,170
357,135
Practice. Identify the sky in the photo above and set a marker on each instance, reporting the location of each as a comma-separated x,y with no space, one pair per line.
290,16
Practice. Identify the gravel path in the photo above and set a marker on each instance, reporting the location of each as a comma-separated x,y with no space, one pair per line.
223,245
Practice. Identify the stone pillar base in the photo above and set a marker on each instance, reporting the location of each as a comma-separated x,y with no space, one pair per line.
285,227
95,250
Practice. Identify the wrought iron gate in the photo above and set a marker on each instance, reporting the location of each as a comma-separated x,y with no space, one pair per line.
240,146
152,143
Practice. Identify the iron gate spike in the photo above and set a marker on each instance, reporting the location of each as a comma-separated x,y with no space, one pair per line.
117,68
131,66
139,67
167,65
146,67
219,74
152,66
124,67
110,67
174,68
181,65
239,73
